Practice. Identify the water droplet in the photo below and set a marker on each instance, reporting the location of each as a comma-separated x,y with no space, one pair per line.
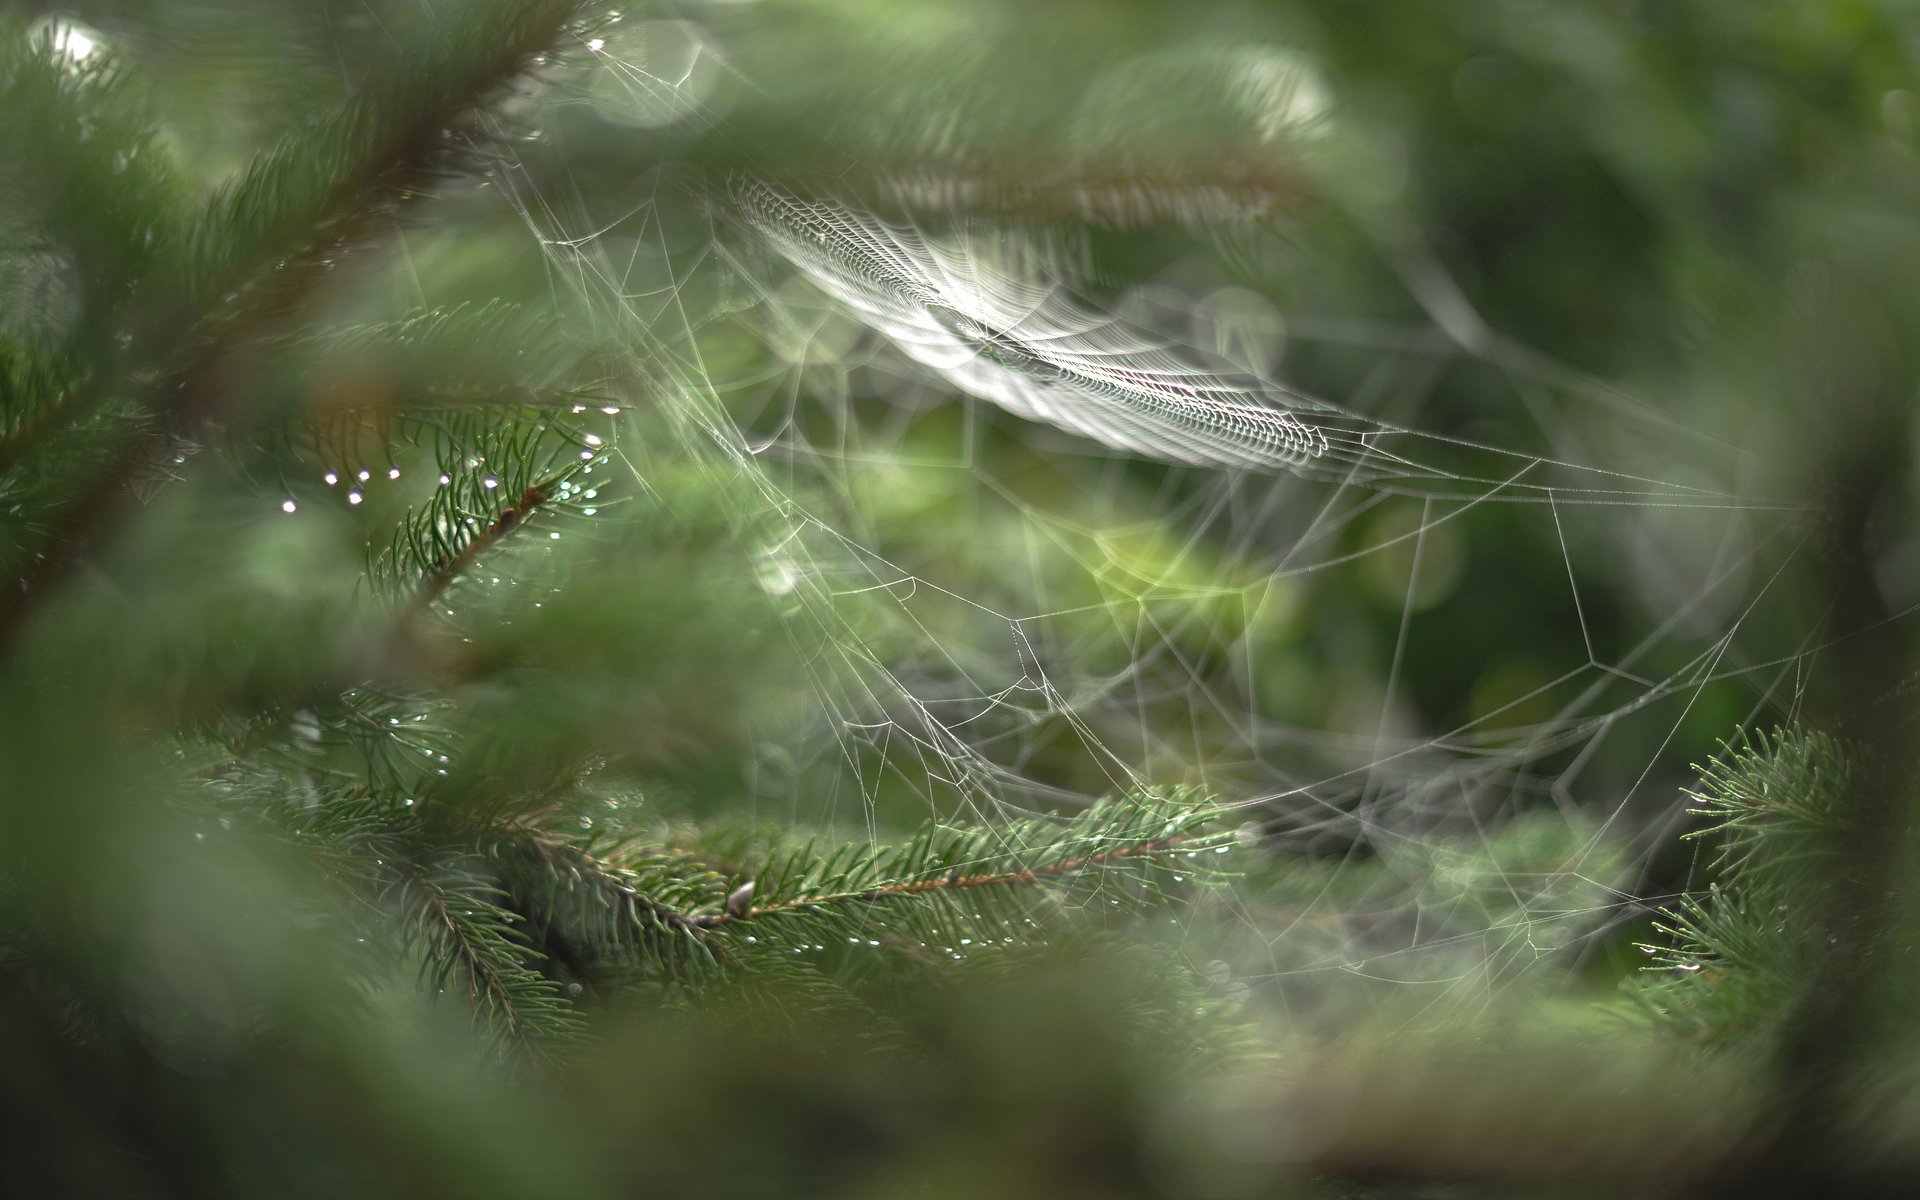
593,439
586,822
364,475
393,472
586,456
331,478
445,480
595,44
354,497
610,409
489,483
287,505
553,537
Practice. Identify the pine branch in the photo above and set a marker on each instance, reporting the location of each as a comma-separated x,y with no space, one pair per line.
951,888
27,419
431,883
386,732
266,244
591,912
408,130
1779,797
84,186
468,934
678,921
495,474
955,881
497,470
1736,955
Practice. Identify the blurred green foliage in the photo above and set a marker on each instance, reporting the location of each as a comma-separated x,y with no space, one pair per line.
795,588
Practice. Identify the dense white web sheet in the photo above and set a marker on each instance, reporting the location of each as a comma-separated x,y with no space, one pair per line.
1018,343
1070,619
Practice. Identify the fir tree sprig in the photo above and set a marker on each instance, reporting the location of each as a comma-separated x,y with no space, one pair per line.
518,914
951,887
470,940
326,187
1736,954
1780,796
87,202
594,916
362,733
495,474
426,891
265,243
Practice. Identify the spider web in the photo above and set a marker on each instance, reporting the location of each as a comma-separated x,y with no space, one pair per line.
1041,536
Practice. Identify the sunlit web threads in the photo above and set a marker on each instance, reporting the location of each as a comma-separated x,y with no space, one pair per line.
1128,633
1024,345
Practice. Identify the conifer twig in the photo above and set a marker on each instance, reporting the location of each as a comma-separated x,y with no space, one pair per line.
242,304
441,573
955,880
497,978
